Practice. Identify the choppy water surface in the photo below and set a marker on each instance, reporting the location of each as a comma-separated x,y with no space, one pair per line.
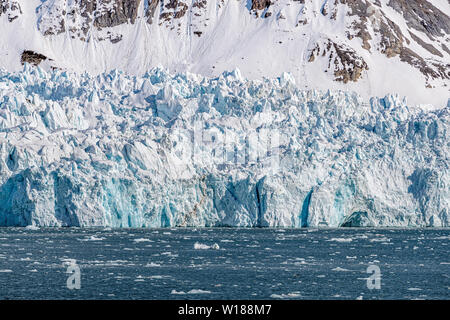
249,264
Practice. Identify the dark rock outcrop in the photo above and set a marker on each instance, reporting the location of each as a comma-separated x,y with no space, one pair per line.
343,61
260,4
123,11
11,9
420,15
423,16
32,57
98,13
360,9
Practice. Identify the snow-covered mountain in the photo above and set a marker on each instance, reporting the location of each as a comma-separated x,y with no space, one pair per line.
373,47
95,135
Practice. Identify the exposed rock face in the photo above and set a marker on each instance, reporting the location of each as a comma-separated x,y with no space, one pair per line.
423,16
429,47
394,42
176,9
391,38
79,16
431,69
260,4
420,15
11,9
364,11
399,29
32,57
343,61
122,11
150,12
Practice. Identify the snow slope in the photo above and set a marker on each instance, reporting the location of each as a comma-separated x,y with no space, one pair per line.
168,149
380,49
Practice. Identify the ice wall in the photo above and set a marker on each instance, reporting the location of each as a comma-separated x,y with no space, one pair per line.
183,150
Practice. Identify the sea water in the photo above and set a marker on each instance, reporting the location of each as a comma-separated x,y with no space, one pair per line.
224,263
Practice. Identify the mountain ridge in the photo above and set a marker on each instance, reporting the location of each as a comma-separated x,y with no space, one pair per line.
371,47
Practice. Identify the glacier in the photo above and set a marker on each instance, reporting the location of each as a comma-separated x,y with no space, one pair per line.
165,150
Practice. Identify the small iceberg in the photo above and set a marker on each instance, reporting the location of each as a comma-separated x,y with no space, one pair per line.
201,246
31,227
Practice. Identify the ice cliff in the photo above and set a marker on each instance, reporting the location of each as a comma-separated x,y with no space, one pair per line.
185,150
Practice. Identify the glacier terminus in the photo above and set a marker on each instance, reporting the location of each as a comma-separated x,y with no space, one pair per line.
180,149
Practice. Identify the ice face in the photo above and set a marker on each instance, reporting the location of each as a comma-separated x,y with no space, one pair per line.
167,150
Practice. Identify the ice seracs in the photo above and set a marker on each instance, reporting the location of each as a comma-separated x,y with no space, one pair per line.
166,150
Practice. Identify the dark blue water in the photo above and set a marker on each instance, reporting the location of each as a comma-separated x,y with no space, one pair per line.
249,264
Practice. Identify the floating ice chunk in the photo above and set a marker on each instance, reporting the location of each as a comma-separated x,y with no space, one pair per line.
93,238
340,269
142,240
341,239
152,264
158,277
382,239
198,291
201,246
291,295
177,292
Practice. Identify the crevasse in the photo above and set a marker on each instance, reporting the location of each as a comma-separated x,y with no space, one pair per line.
167,150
